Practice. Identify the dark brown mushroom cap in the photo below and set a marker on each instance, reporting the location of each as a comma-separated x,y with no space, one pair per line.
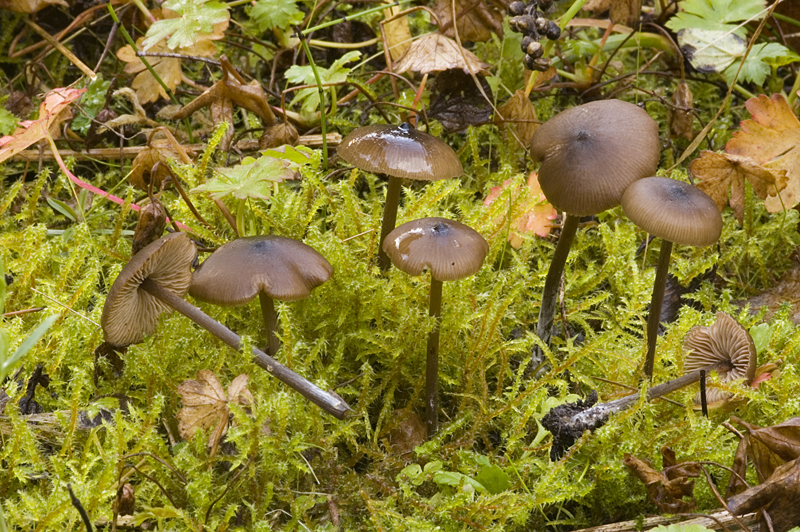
673,210
129,312
400,151
591,153
724,340
450,250
283,268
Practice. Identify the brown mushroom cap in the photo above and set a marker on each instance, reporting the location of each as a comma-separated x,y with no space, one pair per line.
130,313
591,153
724,340
400,151
673,210
283,268
450,250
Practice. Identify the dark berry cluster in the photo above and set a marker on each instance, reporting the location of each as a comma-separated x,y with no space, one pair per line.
530,20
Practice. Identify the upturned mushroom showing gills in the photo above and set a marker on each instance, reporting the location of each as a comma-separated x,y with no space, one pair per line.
451,251
676,212
155,280
398,152
270,267
725,340
590,154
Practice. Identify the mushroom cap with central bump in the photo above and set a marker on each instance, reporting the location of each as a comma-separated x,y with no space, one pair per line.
673,210
591,153
129,312
450,250
283,268
724,340
400,151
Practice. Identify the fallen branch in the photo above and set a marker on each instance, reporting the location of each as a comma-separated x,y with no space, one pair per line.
567,422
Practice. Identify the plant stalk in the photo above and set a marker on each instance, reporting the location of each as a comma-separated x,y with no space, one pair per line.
270,323
329,402
432,364
393,190
654,319
547,311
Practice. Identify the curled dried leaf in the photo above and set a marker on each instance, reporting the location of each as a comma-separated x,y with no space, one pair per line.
436,53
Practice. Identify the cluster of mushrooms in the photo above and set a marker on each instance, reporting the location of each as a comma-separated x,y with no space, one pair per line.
593,157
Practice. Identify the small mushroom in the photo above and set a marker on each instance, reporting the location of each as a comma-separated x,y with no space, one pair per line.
398,152
677,212
724,340
590,154
270,267
154,281
451,251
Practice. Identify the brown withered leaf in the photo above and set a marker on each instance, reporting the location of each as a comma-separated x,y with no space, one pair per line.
150,224
681,119
770,447
397,32
627,12
778,496
205,405
30,6
518,114
772,139
721,172
407,432
435,52
221,96
157,151
457,103
278,135
666,489
476,20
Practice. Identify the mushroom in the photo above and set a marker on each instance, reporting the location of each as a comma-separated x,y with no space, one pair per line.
725,340
271,267
590,154
677,212
451,251
398,152
154,281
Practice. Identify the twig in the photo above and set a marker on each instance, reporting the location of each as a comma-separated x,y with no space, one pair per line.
78,506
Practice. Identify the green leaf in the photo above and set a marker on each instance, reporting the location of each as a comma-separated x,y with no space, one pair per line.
494,479
456,479
253,179
716,15
297,155
304,75
197,16
8,121
761,59
275,14
8,363
711,52
91,102
762,334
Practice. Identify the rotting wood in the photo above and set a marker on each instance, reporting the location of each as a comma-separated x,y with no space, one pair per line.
715,521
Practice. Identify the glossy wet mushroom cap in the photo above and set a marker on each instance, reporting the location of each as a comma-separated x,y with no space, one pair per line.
591,153
400,151
673,210
129,312
283,268
449,249
724,340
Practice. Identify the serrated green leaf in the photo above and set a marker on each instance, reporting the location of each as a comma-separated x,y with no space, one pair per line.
91,102
716,15
197,17
759,61
275,14
297,155
304,75
250,180
8,121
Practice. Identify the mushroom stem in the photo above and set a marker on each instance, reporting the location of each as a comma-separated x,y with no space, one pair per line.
389,218
329,402
656,301
432,365
544,328
270,323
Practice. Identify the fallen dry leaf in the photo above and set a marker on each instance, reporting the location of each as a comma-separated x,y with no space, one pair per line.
435,52
397,33
772,139
625,12
476,20
531,214
666,489
205,405
157,151
681,119
456,101
53,110
721,172
30,6
778,496
519,115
